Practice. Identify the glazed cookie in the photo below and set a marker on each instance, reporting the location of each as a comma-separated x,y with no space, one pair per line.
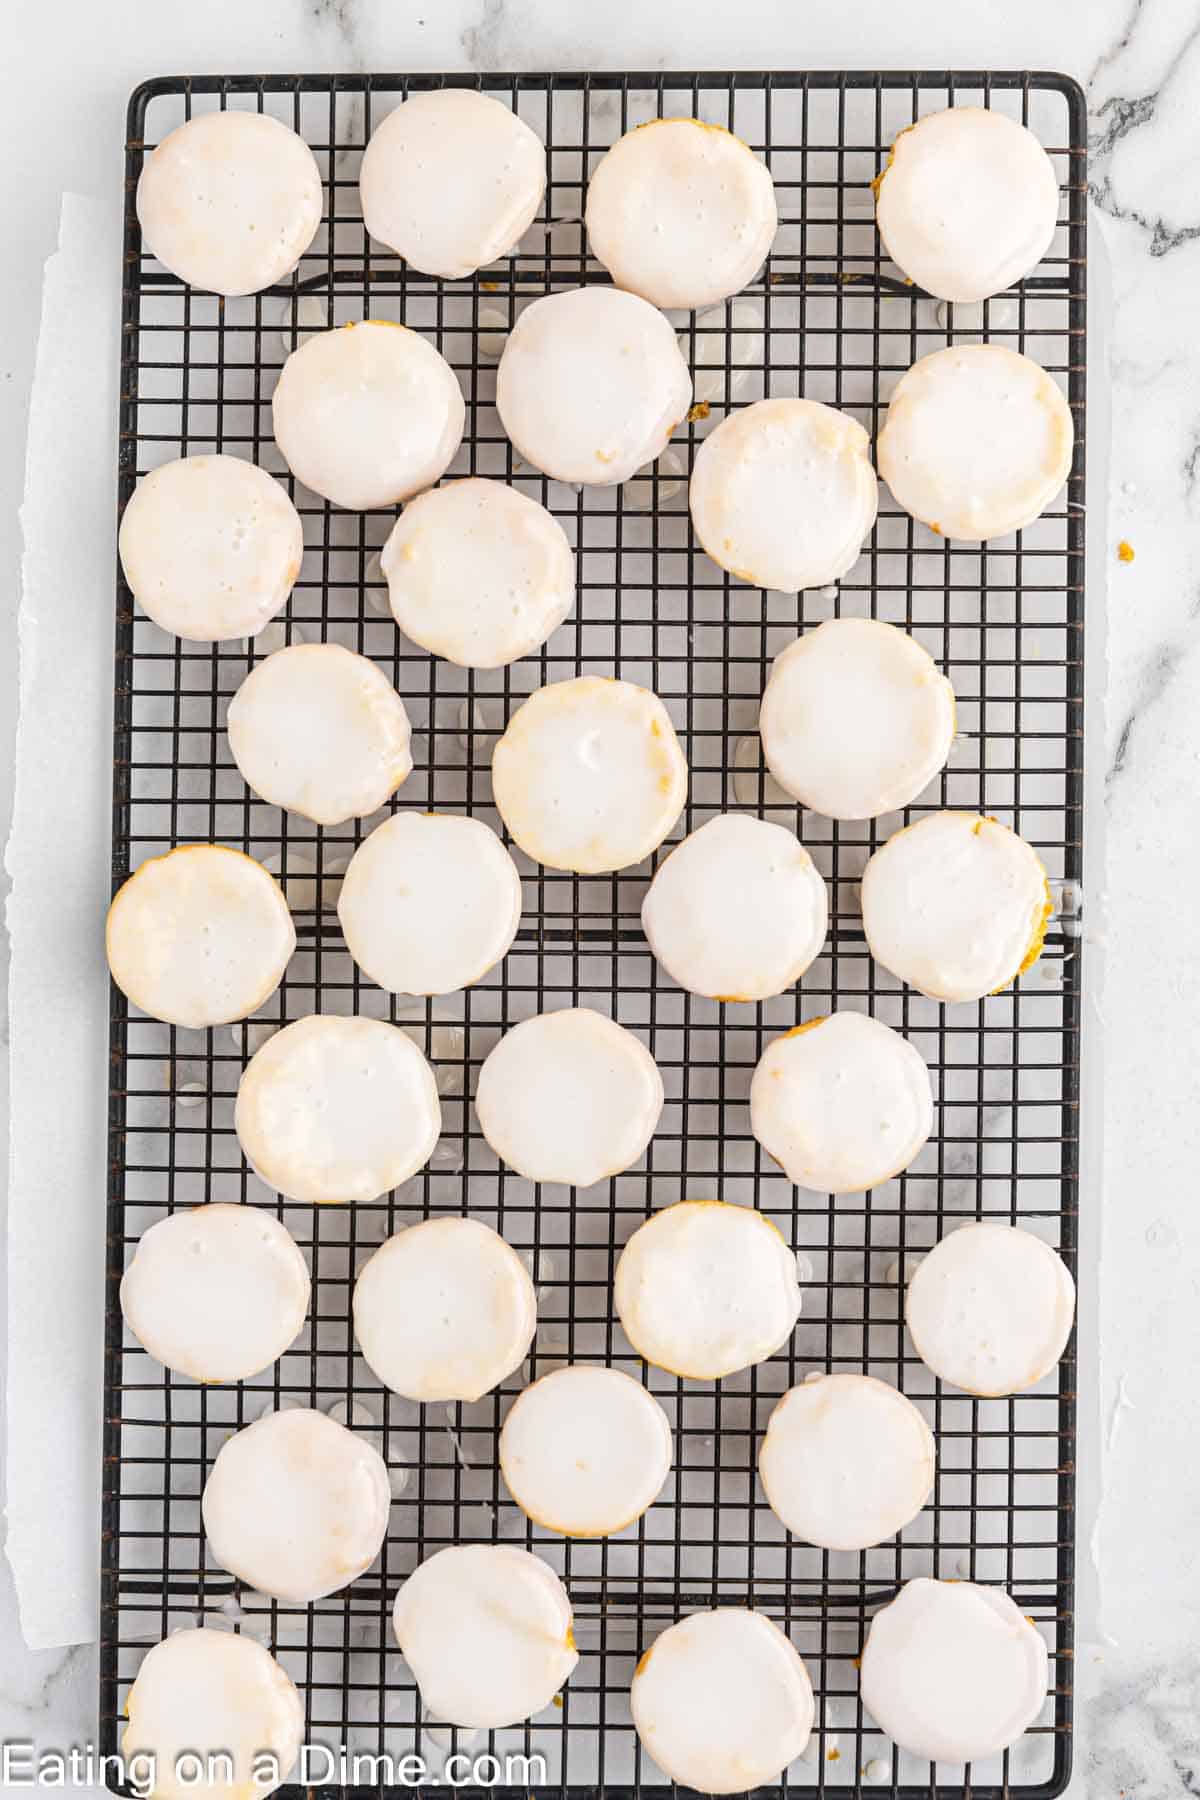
200,936
589,775
738,911
333,1109
569,1096
681,212
956,905
978,441
704,1289
367,415
211,547
217,1292
591,385
783,494
585,1451
479,573
444,1311
230,201
430,903
856,719
486,1631
722,1701
967,204
451,180
846,1462
952,1671
207,1693
990,1309
321,732
296,1506
841,1104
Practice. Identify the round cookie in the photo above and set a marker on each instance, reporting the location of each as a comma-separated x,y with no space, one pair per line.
978,441
841,1104
569,1096
444,1311
333,1109
217,1292
967,204
230,201
296,1506
990,1309
368,414
320,731
783,494
429,903
956,905
952,1671
846,1462
856,719
486,1631
722,1701
704,1289
591,384
199,937
451,181
204,1693
589,775
681,212
738,911
479,573
210,547
585,1451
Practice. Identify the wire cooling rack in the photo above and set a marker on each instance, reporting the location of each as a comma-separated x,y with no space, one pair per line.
831,319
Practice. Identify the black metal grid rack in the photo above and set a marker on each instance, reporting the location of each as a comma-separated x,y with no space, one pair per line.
829,318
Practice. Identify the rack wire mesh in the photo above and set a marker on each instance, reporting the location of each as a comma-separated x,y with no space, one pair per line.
828,318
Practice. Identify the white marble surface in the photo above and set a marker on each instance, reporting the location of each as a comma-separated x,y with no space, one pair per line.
74,64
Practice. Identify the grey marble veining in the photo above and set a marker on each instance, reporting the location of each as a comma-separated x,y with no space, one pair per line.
1139,1648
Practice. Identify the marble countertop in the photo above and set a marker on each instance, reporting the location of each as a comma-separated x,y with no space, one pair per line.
1139,60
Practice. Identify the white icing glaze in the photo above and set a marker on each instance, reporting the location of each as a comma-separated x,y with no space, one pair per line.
479,573
296,1505
952,1671
320,731
856,719
589,774
704,1289
451,180
569,1096
211,547
585,1450
444,1310
722,1701
977,442
368,414
230,201
841,1104
783,493
967,204
486,1631
209,1691
681,213
591,385
846,1462
200,936
337,1109
990,1309
430,902
217,1292
954,905
738,911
